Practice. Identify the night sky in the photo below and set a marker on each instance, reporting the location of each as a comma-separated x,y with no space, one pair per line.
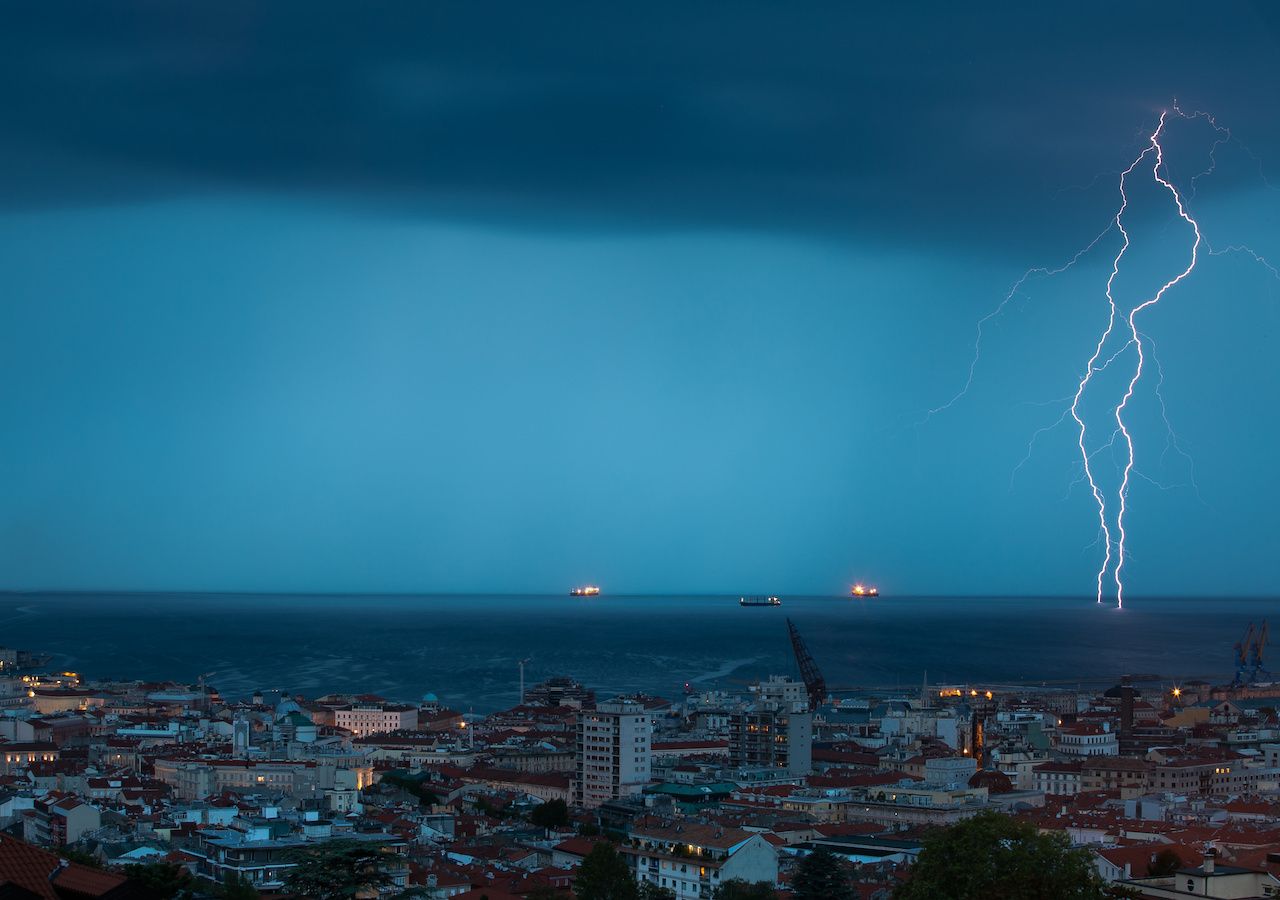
507,297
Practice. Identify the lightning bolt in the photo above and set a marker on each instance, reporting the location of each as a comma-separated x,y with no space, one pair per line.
1137,339
1093,368
1113,507
1155,148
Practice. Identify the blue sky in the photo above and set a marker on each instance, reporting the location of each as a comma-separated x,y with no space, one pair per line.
451,301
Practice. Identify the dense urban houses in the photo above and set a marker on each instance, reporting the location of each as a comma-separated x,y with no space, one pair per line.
716,786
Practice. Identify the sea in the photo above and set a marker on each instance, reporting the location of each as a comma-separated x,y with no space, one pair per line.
465,649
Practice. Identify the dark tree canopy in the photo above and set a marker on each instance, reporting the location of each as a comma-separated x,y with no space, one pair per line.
411,784
1165,862
993,857
737,889
821,876
236,888
604,875
339,869
647,890
552,814
161,880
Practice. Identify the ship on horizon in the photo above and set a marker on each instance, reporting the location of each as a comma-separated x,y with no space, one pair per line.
759,601
587,590
864,590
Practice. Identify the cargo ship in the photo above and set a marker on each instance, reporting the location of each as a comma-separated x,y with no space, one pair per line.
589,590
759,601
863,590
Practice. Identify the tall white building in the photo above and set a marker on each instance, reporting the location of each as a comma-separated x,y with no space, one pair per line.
614,753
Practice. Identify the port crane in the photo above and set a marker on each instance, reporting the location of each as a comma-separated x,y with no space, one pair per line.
1249,650
814,683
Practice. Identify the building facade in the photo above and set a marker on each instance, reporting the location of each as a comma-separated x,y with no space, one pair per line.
613,752
381,718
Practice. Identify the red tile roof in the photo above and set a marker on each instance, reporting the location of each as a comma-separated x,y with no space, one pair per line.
43,873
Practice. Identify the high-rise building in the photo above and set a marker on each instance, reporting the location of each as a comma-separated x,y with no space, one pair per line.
613,750
775,731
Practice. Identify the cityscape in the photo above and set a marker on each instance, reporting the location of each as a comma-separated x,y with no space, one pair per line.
676,451
1170,790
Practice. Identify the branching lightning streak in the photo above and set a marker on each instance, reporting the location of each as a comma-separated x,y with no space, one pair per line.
1171,441
1092,367
1223,136
1257,257
1043,271
1137,373
1045,429
1112,531
1079,479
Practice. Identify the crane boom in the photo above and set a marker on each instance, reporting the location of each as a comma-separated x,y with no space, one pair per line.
1243,647
814,683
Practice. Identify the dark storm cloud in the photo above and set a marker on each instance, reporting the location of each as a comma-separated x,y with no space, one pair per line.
810,116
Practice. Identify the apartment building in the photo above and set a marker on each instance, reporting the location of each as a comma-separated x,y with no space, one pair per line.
613,752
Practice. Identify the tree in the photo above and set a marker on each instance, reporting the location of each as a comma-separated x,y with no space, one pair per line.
82,857
647,890
236,887
604,875
411,784
338,869
552,814
1122,892
161,880
993,857
821,876
738,889
1166,862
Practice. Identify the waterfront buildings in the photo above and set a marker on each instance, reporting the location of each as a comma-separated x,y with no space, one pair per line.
725,785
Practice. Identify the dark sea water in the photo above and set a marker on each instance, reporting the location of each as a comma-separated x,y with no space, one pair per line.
464,648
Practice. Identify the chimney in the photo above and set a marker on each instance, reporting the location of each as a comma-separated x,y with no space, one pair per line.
1210,856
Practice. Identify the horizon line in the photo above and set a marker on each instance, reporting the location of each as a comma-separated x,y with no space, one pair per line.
160,592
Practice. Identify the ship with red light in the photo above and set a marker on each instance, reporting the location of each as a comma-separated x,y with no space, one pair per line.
864,590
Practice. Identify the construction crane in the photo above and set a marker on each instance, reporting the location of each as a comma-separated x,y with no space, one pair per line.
1256,665
1244,649
813,680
